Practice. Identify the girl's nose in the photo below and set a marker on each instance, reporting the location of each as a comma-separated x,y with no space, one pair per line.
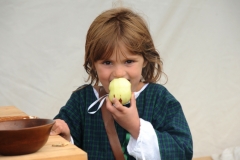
119,72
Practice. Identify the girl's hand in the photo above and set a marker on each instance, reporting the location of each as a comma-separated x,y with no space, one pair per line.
61,128
128,118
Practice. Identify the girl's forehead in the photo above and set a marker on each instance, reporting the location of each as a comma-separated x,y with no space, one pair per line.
117,50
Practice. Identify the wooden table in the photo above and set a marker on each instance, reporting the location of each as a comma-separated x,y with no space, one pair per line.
47,152
203,158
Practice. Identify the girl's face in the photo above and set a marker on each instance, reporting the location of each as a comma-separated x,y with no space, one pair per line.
121,64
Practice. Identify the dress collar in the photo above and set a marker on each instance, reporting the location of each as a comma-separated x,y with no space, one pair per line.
101,99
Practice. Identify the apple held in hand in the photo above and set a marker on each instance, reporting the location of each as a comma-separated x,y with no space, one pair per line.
120,88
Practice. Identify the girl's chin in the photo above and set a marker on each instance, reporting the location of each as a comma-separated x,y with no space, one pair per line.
106,89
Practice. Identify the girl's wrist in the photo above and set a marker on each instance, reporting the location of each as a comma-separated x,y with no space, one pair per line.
135,131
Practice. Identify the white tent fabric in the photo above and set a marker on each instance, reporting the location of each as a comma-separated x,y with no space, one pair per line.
232,153
42,51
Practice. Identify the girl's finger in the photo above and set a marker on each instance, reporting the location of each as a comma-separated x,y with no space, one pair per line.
132,100
118,105
55,131
109,106
56,127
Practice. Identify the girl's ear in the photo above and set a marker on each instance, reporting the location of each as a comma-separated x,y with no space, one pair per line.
144,64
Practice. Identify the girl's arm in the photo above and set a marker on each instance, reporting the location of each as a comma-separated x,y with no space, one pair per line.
166,128
70,115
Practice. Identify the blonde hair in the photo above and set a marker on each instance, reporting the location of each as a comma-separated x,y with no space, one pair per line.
121,25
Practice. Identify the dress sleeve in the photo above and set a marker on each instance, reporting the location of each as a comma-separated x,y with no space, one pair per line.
170,124
146,146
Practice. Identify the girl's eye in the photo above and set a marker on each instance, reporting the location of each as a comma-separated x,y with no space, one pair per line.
107,62
129,61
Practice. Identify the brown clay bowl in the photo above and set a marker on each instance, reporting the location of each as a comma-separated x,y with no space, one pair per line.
24,136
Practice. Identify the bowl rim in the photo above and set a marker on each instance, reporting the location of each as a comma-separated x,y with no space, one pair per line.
28,128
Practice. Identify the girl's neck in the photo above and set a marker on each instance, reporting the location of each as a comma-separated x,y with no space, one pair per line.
140,85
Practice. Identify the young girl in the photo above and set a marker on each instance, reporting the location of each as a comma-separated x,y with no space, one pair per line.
152,126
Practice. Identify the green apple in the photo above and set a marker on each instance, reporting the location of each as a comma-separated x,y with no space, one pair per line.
120,88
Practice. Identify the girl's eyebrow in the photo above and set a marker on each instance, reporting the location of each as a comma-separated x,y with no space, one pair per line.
132,56
126,57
